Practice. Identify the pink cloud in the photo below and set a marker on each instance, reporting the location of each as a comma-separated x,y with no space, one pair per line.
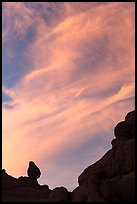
59,105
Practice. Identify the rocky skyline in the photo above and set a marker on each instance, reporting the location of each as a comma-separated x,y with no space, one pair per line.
111,179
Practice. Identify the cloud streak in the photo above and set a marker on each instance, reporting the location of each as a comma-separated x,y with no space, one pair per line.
81,76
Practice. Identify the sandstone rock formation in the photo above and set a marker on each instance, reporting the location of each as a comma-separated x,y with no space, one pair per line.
111,179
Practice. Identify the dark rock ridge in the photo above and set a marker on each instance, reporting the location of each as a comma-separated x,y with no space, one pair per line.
111,179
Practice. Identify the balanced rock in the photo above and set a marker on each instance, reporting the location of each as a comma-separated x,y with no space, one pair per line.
33,171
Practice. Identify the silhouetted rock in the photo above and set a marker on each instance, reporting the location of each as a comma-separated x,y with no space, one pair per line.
59,194
3,171
122,130
126,129
130,118
111,179
23,189
33,171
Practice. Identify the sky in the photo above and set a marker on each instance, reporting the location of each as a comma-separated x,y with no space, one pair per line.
68,78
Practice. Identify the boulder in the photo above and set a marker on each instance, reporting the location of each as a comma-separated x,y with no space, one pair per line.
33,171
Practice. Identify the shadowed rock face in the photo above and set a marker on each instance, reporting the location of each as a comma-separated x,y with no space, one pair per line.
59,194
23,189
111,179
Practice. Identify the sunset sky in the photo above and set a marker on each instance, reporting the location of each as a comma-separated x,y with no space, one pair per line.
68,78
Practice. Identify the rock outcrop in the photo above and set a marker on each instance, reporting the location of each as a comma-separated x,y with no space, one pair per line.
111,179
60,194
23,189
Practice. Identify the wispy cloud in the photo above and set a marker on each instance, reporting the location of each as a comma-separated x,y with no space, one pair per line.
82,74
